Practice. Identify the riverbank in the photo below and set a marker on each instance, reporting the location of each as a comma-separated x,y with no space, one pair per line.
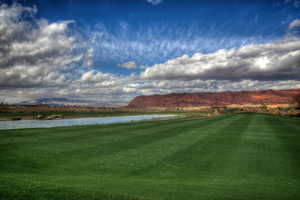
12,116
6,125
60,115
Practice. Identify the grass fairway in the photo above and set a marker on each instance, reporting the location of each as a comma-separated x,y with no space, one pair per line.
245,156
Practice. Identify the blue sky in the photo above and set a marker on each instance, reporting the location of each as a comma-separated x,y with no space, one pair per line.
141,47
136,30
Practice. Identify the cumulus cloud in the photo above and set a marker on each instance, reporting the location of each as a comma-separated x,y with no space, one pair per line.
129,65
273,61
34,52
99,78
155,2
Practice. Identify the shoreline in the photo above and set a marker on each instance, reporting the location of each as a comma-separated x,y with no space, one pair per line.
70,117
58,116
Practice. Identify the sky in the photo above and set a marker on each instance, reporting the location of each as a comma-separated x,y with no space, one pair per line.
108,52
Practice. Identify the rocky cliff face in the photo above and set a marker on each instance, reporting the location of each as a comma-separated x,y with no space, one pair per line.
268,97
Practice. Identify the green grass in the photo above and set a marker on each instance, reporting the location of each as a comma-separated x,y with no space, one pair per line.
246,156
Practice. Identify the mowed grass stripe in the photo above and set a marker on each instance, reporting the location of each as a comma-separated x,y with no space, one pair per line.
144,157
240,157
257,151
259,165
99,156
289,136
207,156
183,145
52,155
24,190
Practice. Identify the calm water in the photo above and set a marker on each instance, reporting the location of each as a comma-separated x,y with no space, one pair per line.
73,122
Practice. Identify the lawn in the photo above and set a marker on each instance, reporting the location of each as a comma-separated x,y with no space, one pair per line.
243,156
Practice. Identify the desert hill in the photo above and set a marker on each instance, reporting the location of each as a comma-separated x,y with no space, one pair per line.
258,97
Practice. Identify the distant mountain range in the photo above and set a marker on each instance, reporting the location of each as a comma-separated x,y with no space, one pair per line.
268,97
53,101
66,102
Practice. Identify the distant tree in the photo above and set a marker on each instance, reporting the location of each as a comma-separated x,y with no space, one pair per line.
264,106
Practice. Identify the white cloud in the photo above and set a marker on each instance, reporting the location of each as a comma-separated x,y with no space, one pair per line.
98,78
34,52
129,65
273,61
155,2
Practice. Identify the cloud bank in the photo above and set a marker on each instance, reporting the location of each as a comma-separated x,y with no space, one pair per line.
34,52
273,61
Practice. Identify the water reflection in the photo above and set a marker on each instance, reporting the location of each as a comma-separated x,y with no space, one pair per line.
73,122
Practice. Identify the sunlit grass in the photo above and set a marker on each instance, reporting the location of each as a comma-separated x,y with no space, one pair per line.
245,156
